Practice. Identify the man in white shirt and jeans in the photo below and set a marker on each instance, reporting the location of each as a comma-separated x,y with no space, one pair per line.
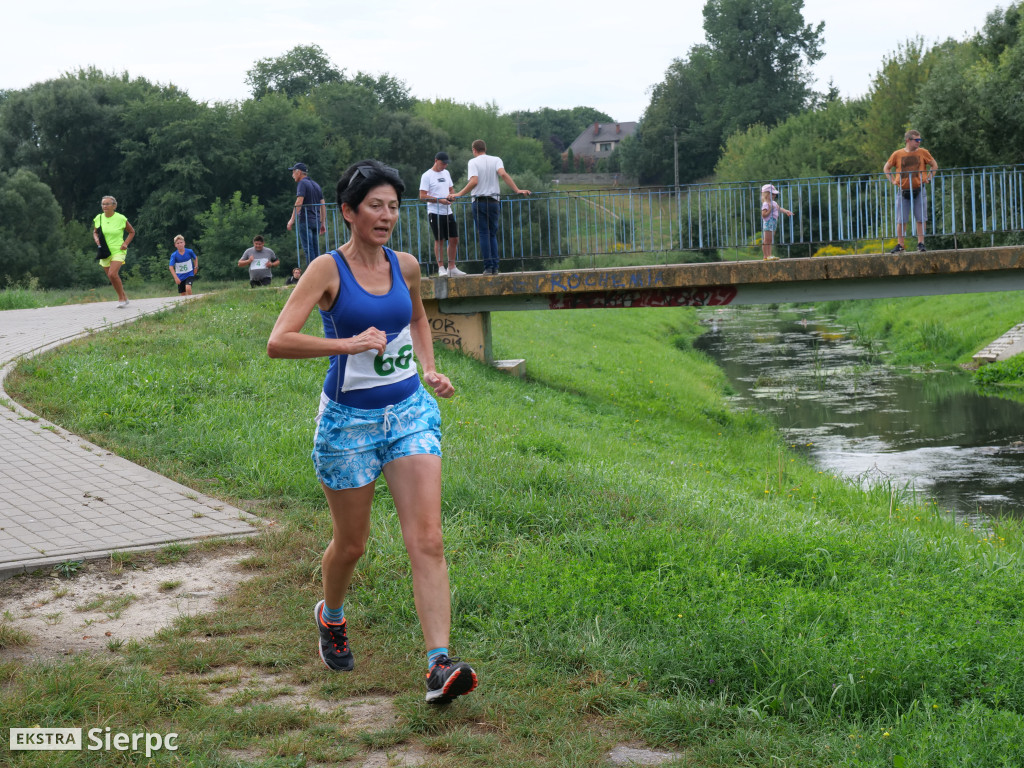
436,187
484,171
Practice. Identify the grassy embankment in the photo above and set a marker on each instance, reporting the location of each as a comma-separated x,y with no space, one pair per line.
630,561
942,332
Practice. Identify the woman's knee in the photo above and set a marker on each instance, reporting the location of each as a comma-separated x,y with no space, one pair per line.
427,546
347,552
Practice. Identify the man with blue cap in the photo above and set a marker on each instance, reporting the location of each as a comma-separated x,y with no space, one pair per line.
309,213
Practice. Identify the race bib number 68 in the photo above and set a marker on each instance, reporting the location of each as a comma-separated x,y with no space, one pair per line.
368,369
385,365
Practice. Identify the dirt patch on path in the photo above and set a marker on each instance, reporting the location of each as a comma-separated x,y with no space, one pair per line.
107,603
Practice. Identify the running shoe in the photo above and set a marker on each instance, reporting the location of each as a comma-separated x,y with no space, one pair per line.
455,272
122,304
448,679
921,248
333,642
442,271
898,249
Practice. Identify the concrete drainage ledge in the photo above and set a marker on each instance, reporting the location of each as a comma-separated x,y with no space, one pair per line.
515,367
633,756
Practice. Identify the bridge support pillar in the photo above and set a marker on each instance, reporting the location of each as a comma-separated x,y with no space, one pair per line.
469,334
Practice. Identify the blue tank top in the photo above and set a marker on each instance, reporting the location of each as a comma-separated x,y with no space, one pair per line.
367,380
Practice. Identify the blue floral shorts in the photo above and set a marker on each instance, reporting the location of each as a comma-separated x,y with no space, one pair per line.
352,445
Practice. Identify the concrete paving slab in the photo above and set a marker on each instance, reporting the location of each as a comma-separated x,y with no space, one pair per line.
1006,346
64,498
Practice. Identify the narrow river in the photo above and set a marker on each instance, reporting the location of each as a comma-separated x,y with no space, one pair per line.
928,432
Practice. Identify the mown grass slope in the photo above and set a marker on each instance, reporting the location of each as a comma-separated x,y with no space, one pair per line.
631,560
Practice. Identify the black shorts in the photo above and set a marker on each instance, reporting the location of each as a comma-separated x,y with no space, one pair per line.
259,281
443,227
185,282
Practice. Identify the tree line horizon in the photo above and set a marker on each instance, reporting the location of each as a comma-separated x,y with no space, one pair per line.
740,105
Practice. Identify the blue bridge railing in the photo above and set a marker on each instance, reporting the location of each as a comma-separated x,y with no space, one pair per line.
586,228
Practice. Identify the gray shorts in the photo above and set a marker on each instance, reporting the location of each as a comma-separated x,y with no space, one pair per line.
904,204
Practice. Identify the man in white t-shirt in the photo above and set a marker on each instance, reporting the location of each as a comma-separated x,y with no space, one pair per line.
435,187
484,171
259,260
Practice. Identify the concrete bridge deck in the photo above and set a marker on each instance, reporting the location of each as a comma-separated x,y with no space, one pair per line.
864,276
459,307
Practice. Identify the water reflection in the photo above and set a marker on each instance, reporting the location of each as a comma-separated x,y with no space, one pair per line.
851,414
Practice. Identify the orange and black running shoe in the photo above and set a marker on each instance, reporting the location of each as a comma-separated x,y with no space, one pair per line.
333,642
448,679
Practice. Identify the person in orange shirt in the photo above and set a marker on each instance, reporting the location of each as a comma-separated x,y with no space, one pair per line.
909,169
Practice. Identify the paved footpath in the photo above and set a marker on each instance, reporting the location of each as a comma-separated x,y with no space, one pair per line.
63,498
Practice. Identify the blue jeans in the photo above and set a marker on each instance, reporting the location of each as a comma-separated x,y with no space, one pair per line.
486,217
309,238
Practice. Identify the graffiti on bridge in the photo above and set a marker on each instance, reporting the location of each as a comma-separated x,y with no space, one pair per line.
446,331
588,280
631,287
715,296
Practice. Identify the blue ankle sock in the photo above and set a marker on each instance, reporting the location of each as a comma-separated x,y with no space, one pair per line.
334,615
433,654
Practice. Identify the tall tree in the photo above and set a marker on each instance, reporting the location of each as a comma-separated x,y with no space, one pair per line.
680,111
295,73
271,134
409,143
762,51
753,68
67,131
391,93
31,232
351,113
971,108
894,91
1003,29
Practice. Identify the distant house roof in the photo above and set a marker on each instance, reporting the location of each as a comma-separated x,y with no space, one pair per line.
601,139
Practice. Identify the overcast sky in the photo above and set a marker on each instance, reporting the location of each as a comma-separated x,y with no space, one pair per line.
524,54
